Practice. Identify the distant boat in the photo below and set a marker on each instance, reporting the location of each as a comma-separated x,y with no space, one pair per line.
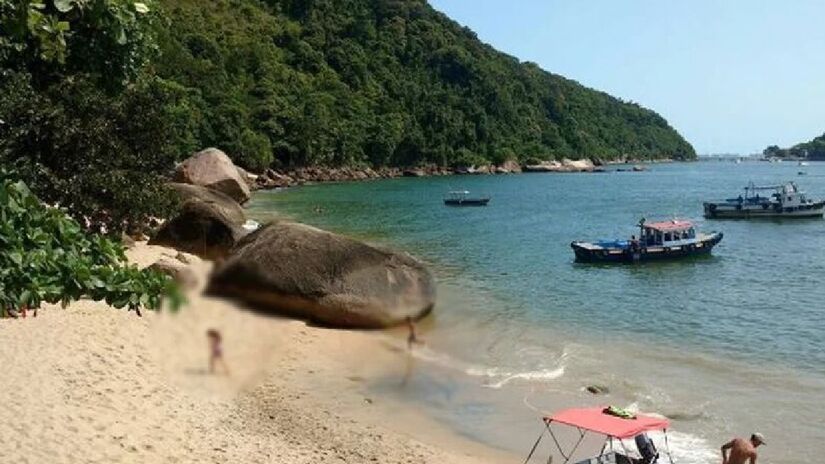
657,241
803,163
785,201
462,198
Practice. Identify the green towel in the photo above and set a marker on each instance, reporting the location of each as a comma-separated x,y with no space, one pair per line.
619,412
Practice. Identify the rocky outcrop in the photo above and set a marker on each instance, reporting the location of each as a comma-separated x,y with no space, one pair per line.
208,224
565,165
225,205
272,178
509,167
211,168
295,269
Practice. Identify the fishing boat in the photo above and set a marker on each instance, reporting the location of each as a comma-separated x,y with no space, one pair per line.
612,426
657,241
783,201
463,198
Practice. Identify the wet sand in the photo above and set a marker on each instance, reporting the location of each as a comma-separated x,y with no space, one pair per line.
94,384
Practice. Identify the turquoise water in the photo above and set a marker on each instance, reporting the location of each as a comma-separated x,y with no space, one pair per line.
722,344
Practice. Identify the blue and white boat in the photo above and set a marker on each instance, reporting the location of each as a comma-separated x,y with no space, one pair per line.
657,241
784,201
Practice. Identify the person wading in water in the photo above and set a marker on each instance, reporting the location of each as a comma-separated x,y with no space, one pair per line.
741,451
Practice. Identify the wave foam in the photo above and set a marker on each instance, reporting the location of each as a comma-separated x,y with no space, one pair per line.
498,377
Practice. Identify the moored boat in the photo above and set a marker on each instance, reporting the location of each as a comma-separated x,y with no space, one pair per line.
785,201
657,241
463,198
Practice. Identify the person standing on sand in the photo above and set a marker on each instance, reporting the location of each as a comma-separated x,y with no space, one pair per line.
216,351
412,338
741,451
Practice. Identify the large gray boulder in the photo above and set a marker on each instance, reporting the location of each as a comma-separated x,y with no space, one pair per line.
226,206
294,269
208,224
211,168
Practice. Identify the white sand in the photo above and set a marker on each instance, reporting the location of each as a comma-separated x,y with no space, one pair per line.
95,384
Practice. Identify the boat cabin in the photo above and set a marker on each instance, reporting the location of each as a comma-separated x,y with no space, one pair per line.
457,195
667,233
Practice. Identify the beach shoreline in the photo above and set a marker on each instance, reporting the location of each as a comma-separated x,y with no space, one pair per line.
95,384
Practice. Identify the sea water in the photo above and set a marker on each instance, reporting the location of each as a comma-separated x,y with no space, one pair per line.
723,345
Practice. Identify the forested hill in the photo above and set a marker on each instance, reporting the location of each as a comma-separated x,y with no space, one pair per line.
814,150
382,82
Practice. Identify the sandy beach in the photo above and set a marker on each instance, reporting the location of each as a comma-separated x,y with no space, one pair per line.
94,384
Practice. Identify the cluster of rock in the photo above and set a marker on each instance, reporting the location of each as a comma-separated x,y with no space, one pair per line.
272,178
212,168
283,267
208,224
565,165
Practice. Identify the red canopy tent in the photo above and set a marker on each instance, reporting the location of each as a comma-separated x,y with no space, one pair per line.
595,420
604,421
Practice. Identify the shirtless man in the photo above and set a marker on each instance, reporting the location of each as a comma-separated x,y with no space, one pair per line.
741,451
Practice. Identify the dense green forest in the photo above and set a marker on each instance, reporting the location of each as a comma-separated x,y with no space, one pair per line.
383,82
814,150
99,98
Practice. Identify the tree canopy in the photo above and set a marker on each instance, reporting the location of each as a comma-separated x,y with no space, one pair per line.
100,98
383,82
82,121
813,150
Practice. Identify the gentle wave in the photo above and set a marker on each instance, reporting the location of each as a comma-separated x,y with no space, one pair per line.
498,376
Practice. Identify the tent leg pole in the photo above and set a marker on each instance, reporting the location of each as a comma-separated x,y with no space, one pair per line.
535,445
581,437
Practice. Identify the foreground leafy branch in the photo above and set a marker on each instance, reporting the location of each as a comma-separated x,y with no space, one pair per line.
45,256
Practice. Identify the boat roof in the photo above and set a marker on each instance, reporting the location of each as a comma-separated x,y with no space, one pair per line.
595,420
459,192
667,226
791,184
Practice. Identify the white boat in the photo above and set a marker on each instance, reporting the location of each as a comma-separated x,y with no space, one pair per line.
803,163
784,201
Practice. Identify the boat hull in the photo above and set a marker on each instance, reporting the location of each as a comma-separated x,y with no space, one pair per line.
587,253
467,202
764,210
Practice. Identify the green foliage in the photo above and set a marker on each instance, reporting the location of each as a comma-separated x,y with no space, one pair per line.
813,150
100,156
384,82
46,256
108,39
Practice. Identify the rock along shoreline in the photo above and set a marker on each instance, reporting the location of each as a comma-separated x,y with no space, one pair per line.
283,178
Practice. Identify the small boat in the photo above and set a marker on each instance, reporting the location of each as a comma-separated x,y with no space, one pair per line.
657,241
784,201
803,163
600,432
463,198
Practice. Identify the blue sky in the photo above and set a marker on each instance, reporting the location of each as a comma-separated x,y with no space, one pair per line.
730,75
